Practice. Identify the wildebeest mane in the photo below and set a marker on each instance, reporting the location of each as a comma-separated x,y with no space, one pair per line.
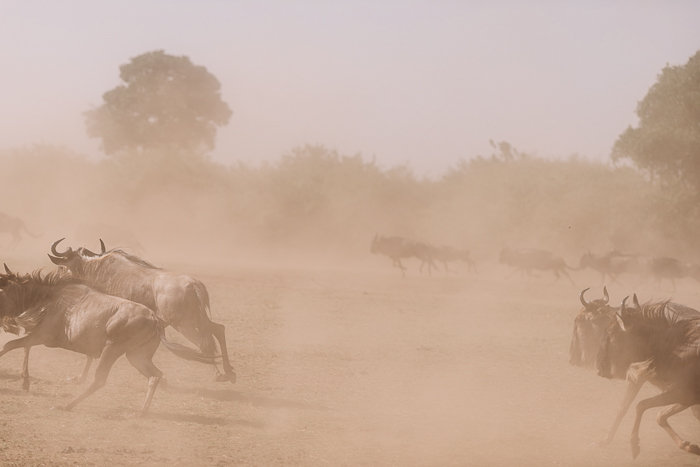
133,258
28,292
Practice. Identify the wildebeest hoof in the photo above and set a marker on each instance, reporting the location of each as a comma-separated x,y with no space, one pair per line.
635,451
691,448
223,377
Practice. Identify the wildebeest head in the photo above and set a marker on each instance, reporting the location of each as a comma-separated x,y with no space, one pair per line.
71,258
589,328
623,342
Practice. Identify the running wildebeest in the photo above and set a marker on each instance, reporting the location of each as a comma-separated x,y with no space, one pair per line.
399,247
661,268
447,254
179,300
14,226
525,260
59,310
590,327
611,264
657,342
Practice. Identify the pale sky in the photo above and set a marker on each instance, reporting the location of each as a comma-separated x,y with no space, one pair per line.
417,83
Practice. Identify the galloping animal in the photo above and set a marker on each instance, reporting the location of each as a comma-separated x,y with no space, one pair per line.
179,300
59,310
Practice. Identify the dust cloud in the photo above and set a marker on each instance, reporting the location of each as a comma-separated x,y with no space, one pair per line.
341,360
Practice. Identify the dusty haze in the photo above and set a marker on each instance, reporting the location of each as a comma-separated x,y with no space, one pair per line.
341,361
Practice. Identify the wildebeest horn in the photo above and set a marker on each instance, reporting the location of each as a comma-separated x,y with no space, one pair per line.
621,314
583,300
102,245
56,253
606,297
7,270
635,301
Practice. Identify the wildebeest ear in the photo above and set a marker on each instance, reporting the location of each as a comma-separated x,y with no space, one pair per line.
55,260
635,301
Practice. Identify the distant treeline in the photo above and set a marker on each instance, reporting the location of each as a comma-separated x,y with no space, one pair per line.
314,198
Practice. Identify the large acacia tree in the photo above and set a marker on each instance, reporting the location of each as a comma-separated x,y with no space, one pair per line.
667,140
165,101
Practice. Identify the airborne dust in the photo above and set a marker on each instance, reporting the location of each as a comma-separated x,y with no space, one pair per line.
340,360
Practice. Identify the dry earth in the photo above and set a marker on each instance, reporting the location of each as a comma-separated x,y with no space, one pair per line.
351,368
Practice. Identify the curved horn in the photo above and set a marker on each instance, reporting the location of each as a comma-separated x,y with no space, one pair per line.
621,316
7,270
58,254
635,301
606,297
583,300
102,246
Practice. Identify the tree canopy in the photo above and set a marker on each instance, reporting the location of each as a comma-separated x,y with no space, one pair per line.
667,140
164,101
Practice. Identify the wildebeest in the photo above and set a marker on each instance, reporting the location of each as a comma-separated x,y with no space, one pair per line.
657,342
661,268
14,226
179,300
397,248
611,264
447,254
527,259
590,327
59,310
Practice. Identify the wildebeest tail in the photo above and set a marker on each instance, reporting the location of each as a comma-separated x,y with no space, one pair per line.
207,344
185,352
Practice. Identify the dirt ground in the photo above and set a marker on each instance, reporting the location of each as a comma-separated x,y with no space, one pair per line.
352,367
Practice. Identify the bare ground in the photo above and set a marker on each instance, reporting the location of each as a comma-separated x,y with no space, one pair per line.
352,368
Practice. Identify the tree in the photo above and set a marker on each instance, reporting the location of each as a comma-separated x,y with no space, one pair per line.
667,140
164,101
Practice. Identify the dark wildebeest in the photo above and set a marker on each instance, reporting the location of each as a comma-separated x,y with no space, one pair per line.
590,327
179,300
525,260
657,342
447,254
59,310
670,268
14,226
399,247
611,264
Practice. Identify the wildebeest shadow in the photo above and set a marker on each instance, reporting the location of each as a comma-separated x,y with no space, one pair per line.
202,420
238,396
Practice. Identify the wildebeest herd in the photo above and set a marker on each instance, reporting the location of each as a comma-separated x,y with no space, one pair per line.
106,305
657,342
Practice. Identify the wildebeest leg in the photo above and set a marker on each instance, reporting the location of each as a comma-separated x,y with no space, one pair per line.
397,263
662,420
86,370
665,398
219,331
200,339
563,271
632,391
27,342
696,411
24,376
110,354
141,358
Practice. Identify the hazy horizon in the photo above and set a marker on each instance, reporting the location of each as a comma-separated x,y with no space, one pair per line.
408,83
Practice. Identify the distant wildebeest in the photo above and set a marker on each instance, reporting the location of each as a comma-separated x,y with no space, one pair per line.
14,226
179,300
657,342
59,310
525,260
397,248
611,264
448,254
121,237
661,268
